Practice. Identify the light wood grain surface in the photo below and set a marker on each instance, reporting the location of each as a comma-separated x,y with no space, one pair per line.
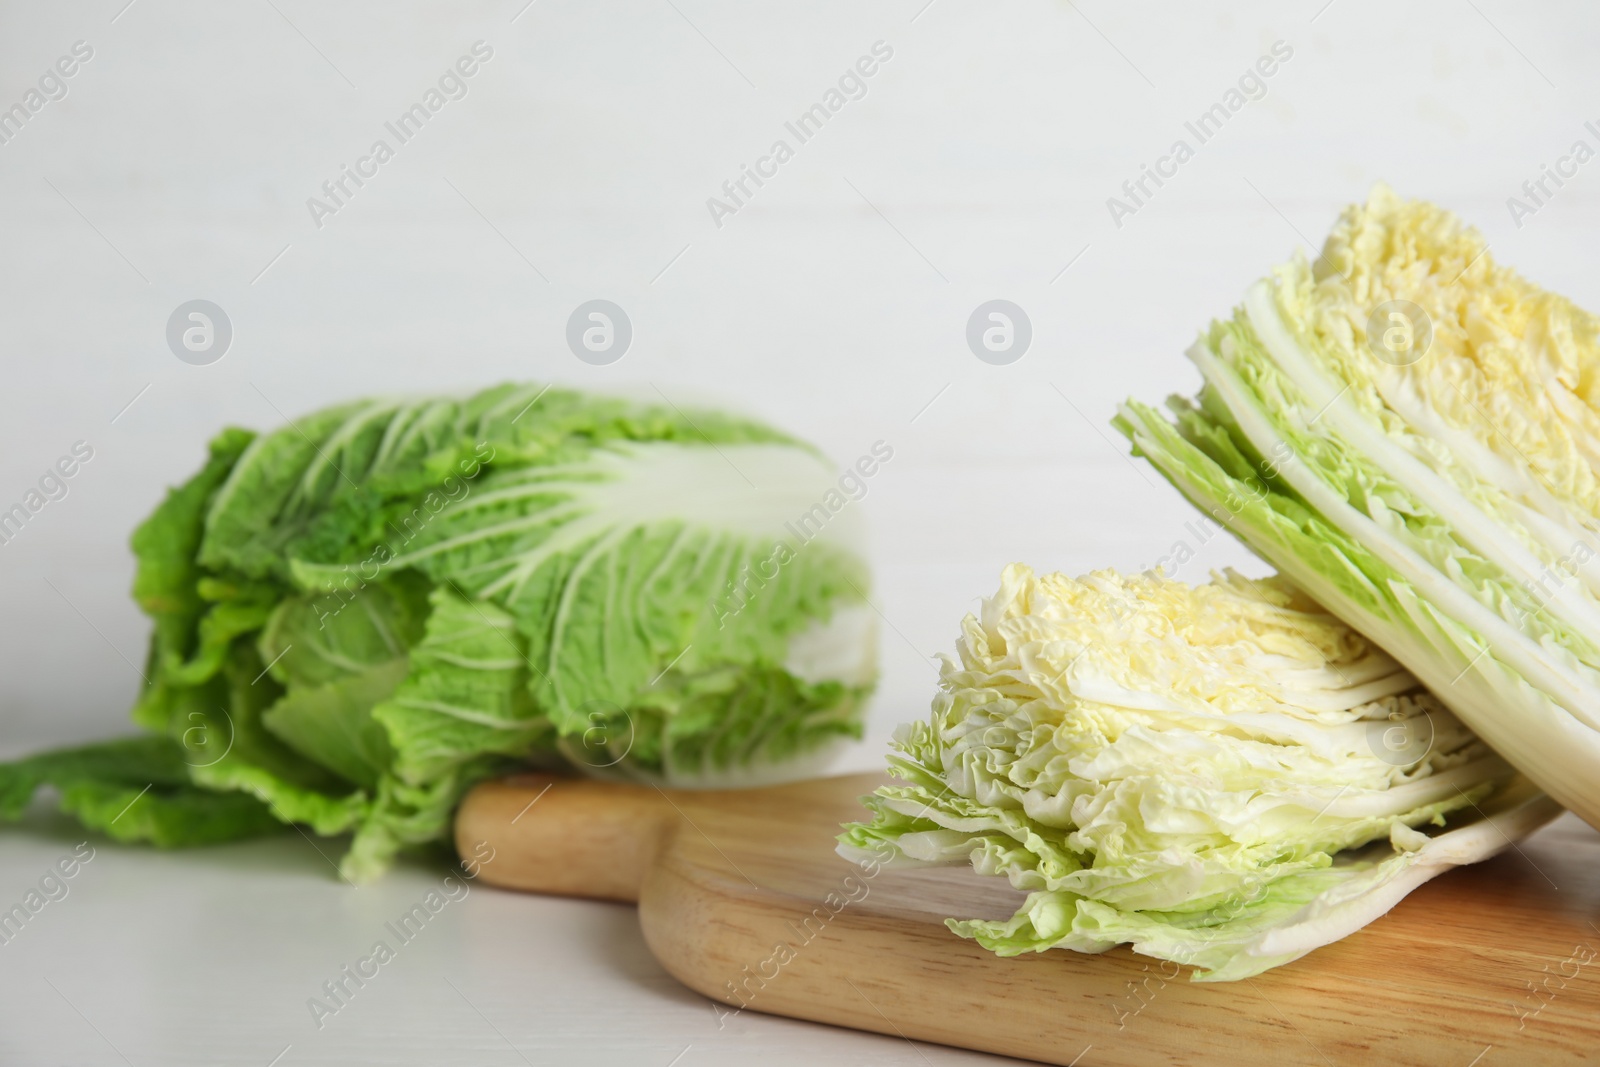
742,898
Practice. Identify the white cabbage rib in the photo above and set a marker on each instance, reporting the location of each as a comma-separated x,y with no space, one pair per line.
1518,721
1553,668
1518,810
1328,399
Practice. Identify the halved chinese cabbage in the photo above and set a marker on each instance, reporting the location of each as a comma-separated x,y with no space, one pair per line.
1222,775
1411,432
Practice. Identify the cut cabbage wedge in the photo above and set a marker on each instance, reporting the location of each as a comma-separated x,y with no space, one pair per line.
1444,498
1225,776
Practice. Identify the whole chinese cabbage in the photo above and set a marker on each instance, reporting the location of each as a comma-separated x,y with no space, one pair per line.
1411,432
360,615
1222,775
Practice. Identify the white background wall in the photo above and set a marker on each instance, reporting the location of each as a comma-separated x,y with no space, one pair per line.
977,166
987,147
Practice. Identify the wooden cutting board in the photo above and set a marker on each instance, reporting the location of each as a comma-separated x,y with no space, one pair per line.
742,898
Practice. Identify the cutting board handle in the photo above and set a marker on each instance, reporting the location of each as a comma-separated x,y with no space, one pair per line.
576,838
